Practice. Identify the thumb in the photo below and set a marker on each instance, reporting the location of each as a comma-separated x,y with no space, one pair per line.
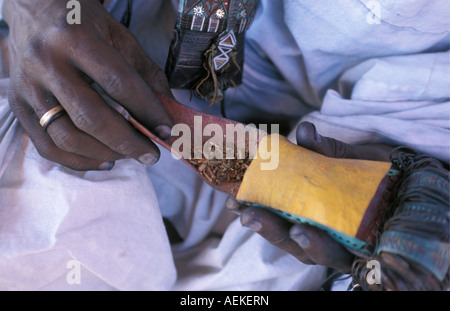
321,248
308,137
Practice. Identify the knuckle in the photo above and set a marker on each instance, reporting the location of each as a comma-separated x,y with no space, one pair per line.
56,38
123,147
153,69
114,84
13,97
46,150
282,241
88,120
69,39
340,149
36,49
66,141
52,153
60,30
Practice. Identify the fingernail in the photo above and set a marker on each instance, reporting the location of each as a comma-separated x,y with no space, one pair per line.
249,222
163,131
232,204
106,166
254,225
297,234
148,159
301,240
316,134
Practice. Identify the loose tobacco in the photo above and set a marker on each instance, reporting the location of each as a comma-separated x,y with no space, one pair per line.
222,170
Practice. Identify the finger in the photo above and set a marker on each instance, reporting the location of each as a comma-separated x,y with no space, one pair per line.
90,114
321,247
135,55
69,138
308,137
44,144
274,229
123,83
64,133
233,205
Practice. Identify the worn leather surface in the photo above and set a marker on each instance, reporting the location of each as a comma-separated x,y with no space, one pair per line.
181,114
185,63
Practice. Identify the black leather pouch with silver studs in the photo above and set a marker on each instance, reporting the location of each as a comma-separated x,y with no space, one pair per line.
207,50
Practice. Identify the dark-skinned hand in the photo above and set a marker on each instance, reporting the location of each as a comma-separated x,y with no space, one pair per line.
56,63
308,244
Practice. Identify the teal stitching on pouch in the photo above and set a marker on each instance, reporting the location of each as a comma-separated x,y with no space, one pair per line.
349,241
342,238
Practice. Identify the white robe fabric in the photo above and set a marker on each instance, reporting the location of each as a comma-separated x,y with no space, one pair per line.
327,62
